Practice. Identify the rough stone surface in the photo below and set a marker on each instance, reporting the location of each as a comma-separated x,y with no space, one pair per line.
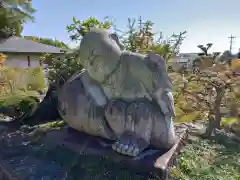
111,99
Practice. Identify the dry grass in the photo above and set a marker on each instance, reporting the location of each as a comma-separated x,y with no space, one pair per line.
13,79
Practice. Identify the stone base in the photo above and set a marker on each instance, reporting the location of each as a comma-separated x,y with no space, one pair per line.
151,160
47,157
4,175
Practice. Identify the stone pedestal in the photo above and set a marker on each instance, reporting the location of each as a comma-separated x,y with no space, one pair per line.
52,156
4,175
151,160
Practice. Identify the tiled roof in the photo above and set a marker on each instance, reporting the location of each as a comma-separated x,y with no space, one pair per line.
21,45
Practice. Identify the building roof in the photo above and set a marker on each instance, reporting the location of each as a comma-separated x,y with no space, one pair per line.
179,60
20,45
188,55
184,57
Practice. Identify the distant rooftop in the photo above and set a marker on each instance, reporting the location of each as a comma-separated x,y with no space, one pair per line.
187,55
20,45
184,57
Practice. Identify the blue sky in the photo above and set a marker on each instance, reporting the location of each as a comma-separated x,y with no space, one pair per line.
204,20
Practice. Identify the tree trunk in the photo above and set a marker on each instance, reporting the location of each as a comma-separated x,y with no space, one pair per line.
215,114
210,126
220,93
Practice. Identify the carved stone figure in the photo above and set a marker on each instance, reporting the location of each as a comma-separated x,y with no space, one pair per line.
120,95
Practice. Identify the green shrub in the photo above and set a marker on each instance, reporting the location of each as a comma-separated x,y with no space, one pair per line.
36,79
12,79
18,103
62,68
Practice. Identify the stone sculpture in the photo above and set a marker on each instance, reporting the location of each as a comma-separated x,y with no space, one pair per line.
120,95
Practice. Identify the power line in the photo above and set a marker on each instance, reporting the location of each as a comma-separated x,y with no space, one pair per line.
231,42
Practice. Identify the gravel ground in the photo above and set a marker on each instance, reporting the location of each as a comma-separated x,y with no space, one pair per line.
25,160
38,161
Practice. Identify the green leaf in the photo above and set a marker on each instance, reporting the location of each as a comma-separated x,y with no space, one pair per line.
228,121
189,117
74,20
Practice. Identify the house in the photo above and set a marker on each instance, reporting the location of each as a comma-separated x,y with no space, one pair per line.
183,60
24,53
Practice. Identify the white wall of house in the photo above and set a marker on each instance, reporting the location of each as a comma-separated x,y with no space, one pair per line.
177,63
22,60
183,59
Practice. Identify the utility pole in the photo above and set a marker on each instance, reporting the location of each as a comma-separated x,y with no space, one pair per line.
140,23
231,42
160,39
